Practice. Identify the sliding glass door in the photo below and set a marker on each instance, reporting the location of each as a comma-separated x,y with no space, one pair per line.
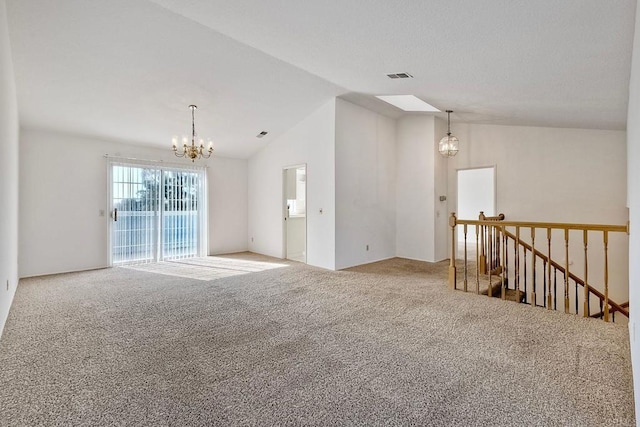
136,221
180,214
157,213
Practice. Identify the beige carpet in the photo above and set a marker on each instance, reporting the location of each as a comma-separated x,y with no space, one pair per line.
383,344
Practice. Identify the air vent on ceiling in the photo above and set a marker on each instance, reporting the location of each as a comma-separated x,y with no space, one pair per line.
400,76
261,134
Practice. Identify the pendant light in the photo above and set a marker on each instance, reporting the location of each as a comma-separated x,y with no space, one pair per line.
448,146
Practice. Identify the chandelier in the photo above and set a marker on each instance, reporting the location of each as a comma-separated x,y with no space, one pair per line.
192,151
448,146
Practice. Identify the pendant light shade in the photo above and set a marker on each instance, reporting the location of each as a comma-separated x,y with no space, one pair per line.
448,146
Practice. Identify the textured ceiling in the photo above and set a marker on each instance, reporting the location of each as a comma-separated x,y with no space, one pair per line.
128,69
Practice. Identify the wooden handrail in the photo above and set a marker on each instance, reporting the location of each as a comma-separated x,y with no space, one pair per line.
613,310
553,225
492,259
616,307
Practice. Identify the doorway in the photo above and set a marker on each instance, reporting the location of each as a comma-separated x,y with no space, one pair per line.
157,213
476,193
295,213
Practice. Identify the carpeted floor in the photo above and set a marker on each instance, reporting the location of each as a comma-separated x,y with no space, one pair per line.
382,344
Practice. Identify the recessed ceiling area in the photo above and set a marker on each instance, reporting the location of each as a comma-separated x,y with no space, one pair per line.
128,69
408,103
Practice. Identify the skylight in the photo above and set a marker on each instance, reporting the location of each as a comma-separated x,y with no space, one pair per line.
408,103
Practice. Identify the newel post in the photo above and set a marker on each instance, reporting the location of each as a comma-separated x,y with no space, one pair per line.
483,254
452,260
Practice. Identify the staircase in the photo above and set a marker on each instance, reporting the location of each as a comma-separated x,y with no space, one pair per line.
509,294
505,263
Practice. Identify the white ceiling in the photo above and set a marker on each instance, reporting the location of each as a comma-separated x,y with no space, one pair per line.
128,69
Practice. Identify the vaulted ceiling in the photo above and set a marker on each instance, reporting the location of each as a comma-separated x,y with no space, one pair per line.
128,69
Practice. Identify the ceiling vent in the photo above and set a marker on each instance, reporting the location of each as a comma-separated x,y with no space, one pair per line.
261,134
400,76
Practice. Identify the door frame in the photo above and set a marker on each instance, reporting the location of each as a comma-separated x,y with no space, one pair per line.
285,211
161,166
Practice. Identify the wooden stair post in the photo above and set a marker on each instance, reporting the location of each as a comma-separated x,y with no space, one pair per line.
566,270
606,275
585,309
516,260
503,262
464,227
549,299
483,254
452,260
533,267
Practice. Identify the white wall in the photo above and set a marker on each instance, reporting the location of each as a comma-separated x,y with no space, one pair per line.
63,186
421,179
8,173
228,186
311,142
440,177
365,185
556,175
548,174
633,200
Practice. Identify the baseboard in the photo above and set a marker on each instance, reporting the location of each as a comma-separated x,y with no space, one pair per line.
422,260
65,272
230,251
364,263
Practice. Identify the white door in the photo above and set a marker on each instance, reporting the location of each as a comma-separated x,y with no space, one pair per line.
295,213
476,193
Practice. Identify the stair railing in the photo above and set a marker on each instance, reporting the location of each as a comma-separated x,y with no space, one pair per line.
493,236
489,243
